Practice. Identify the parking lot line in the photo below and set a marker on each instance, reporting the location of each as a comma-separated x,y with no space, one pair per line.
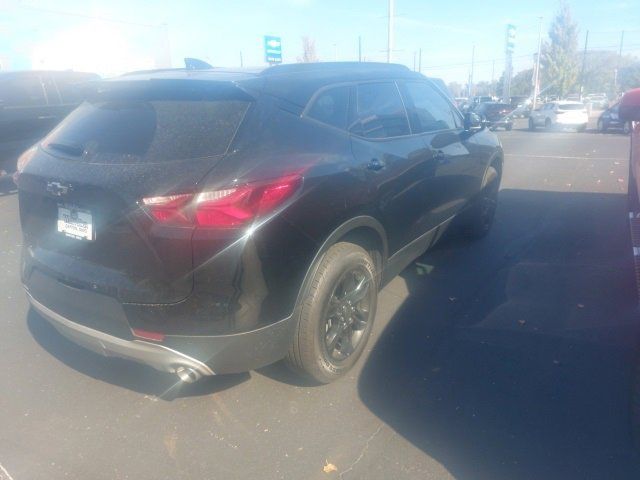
4,475
520,155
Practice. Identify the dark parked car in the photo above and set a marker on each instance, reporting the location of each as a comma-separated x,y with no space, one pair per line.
610,119
629,111
208,222
31,104
497,114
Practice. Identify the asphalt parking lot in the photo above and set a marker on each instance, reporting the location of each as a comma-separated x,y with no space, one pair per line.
509,358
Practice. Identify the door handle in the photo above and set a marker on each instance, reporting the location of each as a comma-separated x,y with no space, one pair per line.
375,165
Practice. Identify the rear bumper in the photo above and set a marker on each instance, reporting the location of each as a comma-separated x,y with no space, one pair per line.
157,356
206,355
572,122
501,123
99,323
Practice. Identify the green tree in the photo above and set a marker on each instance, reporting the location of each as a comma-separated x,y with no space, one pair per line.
560,65
522,83
629,76
456,89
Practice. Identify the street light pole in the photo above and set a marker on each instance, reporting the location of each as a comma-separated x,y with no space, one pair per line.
359,48
390,31
420,60
536,85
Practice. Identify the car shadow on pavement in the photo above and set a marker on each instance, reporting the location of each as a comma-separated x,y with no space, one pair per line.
511,358
124,373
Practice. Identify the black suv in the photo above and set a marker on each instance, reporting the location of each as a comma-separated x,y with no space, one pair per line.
207,222
31,104
495,114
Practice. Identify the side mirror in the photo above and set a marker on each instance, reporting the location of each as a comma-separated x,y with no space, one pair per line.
473,122
629,110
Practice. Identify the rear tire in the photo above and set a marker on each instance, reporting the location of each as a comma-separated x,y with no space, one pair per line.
334,323
479,217
508,127
602,127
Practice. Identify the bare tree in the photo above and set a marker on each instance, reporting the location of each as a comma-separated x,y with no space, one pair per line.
309,54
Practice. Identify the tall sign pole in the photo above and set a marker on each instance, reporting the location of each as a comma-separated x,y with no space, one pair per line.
510,40
584,63
536,78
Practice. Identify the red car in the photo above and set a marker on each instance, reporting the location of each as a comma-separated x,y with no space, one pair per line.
630,112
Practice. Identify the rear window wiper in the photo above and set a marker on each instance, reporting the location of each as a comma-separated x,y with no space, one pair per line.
68,148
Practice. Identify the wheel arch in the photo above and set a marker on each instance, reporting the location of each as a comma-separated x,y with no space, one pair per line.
496,161
363,230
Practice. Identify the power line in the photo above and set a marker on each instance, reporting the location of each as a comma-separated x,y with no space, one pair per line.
81,15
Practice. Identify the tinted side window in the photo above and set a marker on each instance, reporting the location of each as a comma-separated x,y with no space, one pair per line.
22,92
331,107
380,111
428,109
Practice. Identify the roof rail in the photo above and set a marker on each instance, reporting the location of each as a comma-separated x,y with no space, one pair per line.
333,66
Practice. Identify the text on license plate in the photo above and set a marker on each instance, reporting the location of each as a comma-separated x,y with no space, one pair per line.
75,223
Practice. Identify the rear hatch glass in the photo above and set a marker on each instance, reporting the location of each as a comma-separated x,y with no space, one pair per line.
130,125
570,106
80,194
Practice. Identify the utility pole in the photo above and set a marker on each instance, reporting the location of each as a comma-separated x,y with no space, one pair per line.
420,60
536,78
241,62
493,75
390,31
473,60
584,63
615,73
359,48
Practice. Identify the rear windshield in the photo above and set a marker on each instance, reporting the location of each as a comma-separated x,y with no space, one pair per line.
499,106
123,129
570,106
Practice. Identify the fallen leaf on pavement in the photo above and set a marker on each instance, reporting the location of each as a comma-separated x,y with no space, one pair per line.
580,305
522,322
329,467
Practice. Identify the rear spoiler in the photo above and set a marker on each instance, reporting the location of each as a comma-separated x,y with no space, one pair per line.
196,64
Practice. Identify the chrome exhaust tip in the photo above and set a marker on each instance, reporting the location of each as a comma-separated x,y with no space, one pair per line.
187,374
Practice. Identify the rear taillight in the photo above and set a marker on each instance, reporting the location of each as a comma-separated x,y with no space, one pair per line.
169,209
23,160
228,207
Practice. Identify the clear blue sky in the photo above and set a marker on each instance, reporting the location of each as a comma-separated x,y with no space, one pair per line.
72,34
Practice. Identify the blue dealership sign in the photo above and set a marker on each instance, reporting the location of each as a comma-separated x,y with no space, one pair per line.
272,49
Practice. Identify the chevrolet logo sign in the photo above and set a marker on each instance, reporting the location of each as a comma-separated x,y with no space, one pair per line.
58,189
